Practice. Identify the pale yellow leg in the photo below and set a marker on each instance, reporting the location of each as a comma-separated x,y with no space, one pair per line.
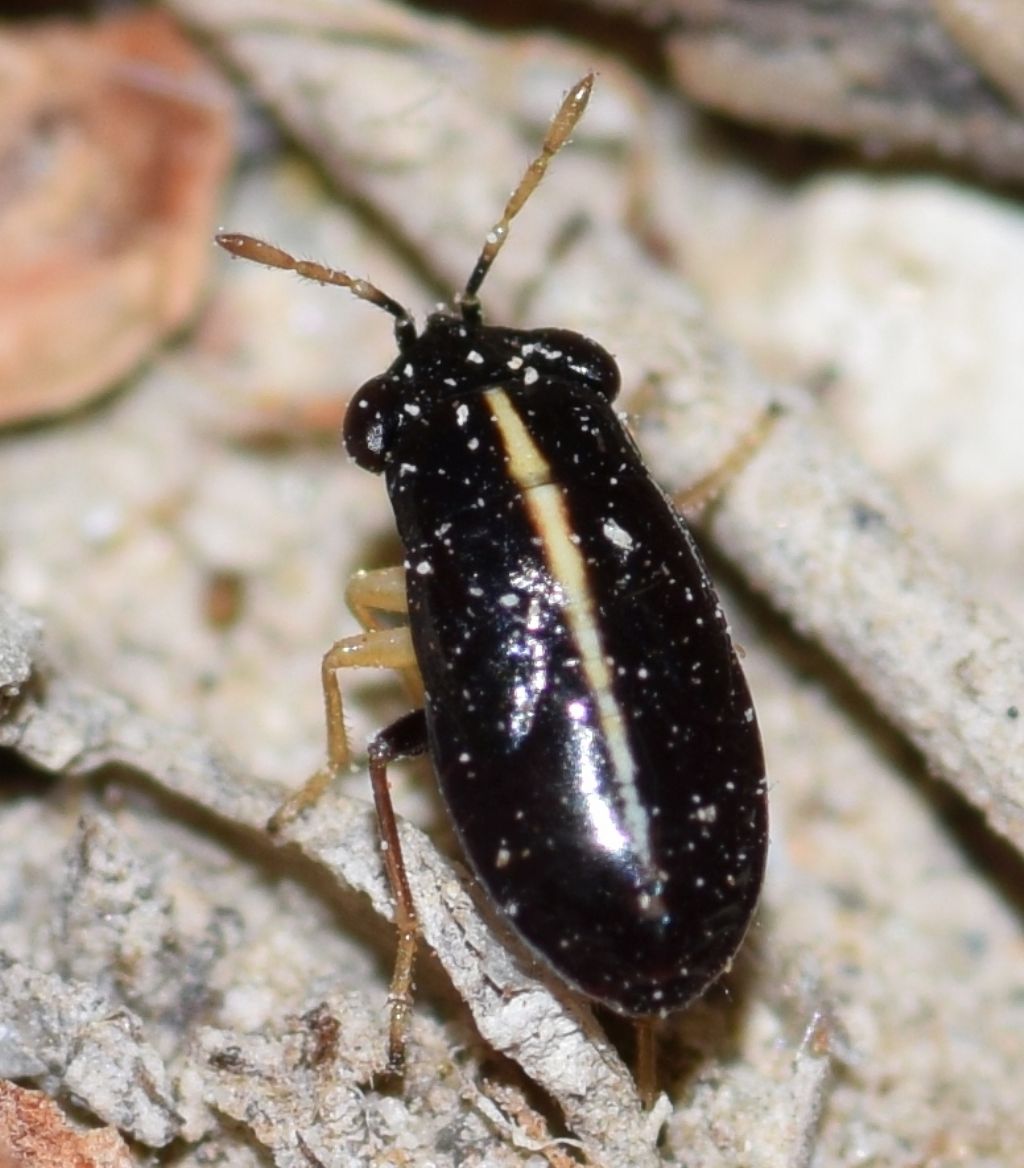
704,490
376,591
368,594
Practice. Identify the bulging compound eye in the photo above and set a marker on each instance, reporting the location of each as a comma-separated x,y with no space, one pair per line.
369,422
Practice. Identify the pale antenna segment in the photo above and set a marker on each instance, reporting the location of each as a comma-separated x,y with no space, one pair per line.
562,125
247,247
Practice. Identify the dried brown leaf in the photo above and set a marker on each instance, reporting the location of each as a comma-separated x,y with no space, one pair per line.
114,143
35,1133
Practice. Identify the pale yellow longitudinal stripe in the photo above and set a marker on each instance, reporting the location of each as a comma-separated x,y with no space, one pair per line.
545,505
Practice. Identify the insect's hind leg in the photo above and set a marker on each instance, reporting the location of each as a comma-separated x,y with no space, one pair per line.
379,647
402,739
645,1059
371,595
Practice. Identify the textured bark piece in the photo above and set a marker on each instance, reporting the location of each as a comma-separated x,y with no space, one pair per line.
892,77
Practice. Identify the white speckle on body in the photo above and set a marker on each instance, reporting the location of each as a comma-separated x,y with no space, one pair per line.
617,535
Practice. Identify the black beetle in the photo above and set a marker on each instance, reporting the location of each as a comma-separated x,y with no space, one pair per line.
583,706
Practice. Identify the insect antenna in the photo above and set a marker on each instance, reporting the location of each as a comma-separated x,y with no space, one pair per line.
247,247
562,125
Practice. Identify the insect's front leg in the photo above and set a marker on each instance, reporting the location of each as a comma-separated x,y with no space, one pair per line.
381,592
368,593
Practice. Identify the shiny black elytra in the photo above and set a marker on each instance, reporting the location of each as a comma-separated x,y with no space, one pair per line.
591,729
